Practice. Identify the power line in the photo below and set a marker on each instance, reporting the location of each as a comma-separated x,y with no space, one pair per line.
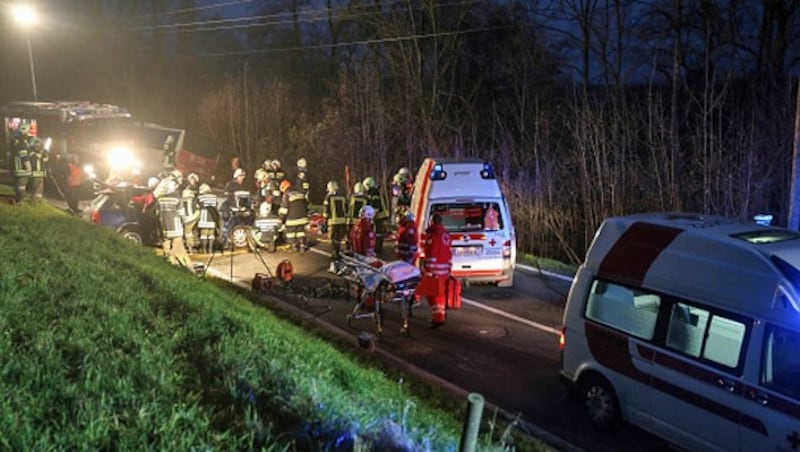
198,8
351,43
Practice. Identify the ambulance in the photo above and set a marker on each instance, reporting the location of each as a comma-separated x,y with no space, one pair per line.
465,192
688,326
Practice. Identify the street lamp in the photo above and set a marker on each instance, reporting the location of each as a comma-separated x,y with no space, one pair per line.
25,15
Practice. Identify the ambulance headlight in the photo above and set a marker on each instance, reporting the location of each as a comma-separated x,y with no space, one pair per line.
120,158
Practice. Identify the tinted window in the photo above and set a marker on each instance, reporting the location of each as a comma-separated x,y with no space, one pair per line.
700,333
780,366
472,216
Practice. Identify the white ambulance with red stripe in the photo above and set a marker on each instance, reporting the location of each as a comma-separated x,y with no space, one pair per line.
465,192
689,327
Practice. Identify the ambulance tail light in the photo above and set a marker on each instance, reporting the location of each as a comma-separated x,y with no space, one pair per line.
507,249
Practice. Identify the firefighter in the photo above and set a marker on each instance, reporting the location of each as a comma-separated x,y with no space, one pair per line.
377,202
437,264
407,237
233,185
276,176
38,158
335,213
301,182
169,206
362,235
208,222
294,215
190,210
21,155
357,200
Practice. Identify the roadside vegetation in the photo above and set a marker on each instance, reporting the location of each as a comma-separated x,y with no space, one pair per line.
107,346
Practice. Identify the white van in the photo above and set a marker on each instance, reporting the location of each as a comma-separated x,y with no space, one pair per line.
689,327
466,194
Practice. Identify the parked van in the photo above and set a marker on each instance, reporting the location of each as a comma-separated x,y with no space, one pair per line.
467,195
689,327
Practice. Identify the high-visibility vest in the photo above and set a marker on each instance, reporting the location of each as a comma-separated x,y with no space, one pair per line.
335,211
294,208
357,201
189,205
377,203
39,163
21,157
438,255
208,210
171,222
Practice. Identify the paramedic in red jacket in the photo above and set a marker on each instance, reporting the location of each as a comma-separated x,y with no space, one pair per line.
362,236
438,260
407,237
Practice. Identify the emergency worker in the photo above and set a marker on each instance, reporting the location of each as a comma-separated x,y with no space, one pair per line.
21,153
208,222
301,181
357,200
437,264
234,185
74,180
169,185
39,157
335,213
276,176
169,215
407,238
362,235
190,210
294,215
375,199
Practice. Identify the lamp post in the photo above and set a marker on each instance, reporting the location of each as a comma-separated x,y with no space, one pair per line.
25,15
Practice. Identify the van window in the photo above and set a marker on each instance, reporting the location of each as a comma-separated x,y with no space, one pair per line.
780,362
701,334
622,308
469,216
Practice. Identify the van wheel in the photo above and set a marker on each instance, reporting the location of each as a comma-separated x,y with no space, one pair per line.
601,404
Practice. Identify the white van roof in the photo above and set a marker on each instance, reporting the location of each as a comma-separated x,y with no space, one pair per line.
714,260
462,177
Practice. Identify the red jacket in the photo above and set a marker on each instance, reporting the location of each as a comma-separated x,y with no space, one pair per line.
362,238
438,256
406,246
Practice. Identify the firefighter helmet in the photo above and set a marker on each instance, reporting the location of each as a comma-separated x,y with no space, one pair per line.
285,185
261,175
24,128
369,182
358,188
398,179
152,182
367,212
276,164
267,164
302,163
405,172
238,173
193,178
332,187
204,188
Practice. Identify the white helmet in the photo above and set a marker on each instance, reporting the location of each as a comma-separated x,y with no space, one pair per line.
302,163
405,172
205,188
367,212
152,182
193,178
276,164
332,186
369,182
238,173
267,164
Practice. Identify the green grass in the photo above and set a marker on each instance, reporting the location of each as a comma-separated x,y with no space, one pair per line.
550,265
107,346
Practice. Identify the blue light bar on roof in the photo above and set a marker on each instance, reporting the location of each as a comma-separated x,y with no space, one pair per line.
487,172
438,172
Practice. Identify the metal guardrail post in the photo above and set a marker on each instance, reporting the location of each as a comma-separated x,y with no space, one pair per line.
472,424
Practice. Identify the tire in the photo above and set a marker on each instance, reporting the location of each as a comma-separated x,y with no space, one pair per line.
600,403
132,235
240,237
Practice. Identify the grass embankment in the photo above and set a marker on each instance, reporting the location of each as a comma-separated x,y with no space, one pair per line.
545,264
107,346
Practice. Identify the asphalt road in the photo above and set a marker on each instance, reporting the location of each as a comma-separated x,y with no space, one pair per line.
502,343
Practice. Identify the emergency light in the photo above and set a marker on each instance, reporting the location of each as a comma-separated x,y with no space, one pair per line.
438,172
487,172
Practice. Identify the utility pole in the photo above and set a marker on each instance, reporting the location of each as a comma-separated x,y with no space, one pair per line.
794,196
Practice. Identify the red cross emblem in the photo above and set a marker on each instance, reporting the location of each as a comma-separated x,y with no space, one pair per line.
492,242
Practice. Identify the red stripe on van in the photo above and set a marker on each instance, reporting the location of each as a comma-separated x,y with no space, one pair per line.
637,248
610,348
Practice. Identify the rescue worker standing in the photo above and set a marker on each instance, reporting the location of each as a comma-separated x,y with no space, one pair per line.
362,236
39,157
301,182
294,215
437,263
335,213
208,222
21,154
357,200
190,210
407,237
377,202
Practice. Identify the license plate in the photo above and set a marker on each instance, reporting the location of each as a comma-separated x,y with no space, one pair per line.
467,250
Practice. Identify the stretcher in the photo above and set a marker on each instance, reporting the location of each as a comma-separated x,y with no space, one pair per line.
371,283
